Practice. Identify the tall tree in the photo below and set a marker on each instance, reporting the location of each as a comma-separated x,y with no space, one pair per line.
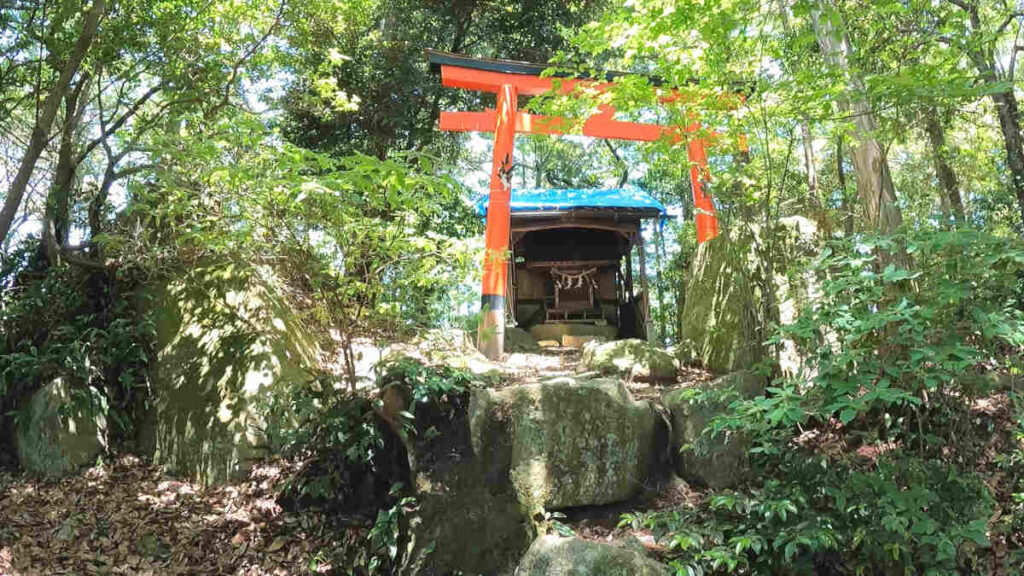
364,85
987,25
949,186
871,168
69,68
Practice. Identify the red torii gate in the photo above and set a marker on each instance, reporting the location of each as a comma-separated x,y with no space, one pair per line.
508,80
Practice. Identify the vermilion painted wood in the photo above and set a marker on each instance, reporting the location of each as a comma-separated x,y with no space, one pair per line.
707,223
498,208
601,125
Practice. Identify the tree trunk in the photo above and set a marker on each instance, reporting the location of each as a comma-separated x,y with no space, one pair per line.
659,284
57,218
950,186
871,168
841,174
41,129
983,56
1009,124
813,200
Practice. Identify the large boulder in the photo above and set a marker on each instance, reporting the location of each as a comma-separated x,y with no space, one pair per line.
519,340
720,461
553,555
796,286
632,359
721,318
61,429
464,521
452,348
227,344
564,443
727,300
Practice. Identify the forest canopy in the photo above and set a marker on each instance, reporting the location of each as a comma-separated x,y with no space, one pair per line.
290,150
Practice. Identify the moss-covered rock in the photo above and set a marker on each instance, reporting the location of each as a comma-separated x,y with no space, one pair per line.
519,340
452,348
720,319
633,359
717,462
564,443
466,521
556,556
227,342
61,429
728,301
796,287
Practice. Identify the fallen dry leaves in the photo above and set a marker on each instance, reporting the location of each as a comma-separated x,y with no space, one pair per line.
129,518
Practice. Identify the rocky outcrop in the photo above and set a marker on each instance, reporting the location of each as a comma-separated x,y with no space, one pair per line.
464,521
519,340
632,359
721,461
728,301
556,556
61,429
227,343
720,320
451,348
564,443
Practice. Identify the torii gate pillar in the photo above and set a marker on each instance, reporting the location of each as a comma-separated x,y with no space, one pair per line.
491,334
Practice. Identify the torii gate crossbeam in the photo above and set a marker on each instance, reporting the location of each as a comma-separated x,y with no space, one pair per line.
509,80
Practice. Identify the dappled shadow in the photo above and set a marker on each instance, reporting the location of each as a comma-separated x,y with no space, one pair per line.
720,316
128,518
226,340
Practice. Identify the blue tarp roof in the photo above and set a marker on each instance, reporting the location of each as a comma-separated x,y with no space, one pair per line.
554,199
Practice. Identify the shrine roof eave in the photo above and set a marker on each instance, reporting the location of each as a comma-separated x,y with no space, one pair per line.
568,214
628,202
438,58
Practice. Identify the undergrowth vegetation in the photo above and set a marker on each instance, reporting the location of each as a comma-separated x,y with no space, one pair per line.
878,456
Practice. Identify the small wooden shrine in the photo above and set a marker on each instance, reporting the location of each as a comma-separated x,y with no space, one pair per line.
571,262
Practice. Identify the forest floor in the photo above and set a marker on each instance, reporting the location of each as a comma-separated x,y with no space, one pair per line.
126,516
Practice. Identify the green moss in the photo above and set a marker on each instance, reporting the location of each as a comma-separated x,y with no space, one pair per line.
566,444
59,433
227,342
720,318
554,556
633,358
719,462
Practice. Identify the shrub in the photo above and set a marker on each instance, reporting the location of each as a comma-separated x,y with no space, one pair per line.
870,456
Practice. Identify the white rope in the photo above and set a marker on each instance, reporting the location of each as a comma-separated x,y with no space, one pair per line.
569,281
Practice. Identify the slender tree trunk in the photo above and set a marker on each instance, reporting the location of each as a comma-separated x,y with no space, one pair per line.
659,285
41,129
983,56
950,186
871,168
57,216
1009,125
813,199
843,198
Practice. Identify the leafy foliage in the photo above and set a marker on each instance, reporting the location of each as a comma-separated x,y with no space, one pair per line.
62,323
870,456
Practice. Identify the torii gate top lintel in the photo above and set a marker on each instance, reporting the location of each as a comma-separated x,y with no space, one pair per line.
508,80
